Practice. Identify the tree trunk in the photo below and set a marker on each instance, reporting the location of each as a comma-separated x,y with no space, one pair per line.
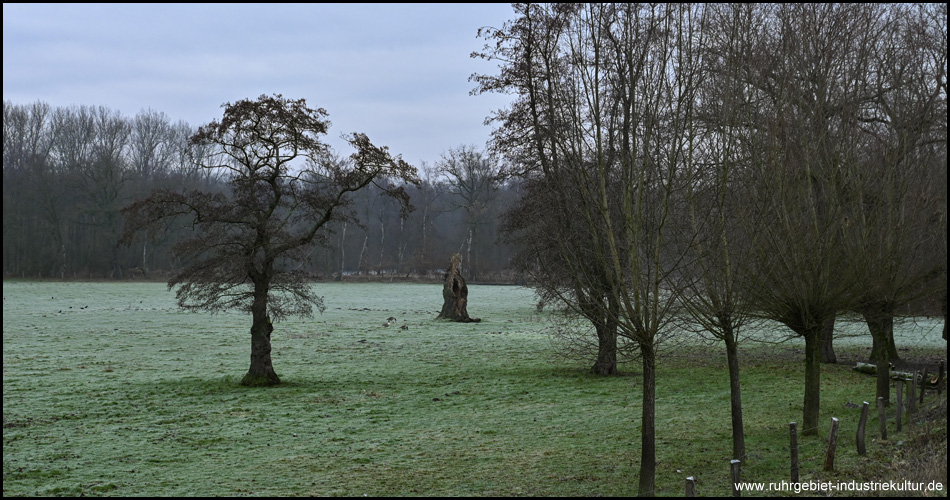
359,263
812,381
62,272
827,336
382,246
945,314
261,373
455,295
145,259
881,325
606,363
342,252
647,423
116,269
738,433
468,251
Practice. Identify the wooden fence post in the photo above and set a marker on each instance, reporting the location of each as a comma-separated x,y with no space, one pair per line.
923,386
735,478
793,449
882,418
900,403
912,396
832,444
861,424
940,381
691,486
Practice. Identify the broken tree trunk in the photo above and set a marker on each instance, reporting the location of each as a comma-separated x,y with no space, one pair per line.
455,294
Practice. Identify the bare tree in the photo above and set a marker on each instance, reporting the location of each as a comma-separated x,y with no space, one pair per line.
29,188
807,74
473,179
899,189
283,189
544,229
606,95
710,277
103,184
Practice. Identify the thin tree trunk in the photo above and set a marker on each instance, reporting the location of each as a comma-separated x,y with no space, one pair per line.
401,247
116,269
342,252
738,433
382,246
144,258
468,252
648,423
62,271
812,400
359,263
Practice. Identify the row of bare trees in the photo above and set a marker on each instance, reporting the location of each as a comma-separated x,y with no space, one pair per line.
67,173
724,163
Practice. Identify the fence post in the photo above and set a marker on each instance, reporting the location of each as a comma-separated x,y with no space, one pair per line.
940,370
793,449
691,486
735,478
861,423
912,396
832,444
923,386
882,418
900,403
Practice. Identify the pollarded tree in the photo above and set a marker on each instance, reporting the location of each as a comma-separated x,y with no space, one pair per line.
900,187
605,107
808,75
283,187
553,252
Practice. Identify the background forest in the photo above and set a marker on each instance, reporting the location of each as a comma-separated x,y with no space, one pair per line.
68,172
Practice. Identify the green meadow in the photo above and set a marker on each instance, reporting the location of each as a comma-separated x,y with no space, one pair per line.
110,390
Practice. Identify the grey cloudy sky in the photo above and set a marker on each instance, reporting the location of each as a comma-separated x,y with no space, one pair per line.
397,72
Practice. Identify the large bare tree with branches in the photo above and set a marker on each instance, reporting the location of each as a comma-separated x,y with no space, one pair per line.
284,186
602,124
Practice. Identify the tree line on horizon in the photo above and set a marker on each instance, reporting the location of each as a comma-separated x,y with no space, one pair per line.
69,171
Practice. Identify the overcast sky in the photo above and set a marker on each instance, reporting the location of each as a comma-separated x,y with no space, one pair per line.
397,72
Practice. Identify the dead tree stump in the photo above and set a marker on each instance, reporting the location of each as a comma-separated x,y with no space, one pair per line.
455,295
